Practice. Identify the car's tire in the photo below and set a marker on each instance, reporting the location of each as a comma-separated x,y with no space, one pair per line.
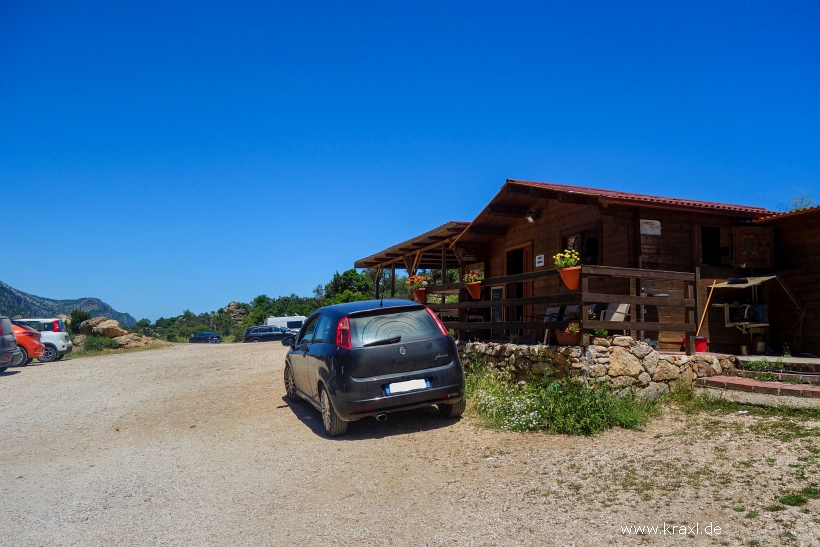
25,359
334,426
290,385
49,354
453,410
30,359
59,357
255,340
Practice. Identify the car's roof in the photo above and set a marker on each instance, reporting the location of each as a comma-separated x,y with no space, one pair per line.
38,319
367,305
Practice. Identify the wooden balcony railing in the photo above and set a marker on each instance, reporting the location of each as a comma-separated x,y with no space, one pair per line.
583,297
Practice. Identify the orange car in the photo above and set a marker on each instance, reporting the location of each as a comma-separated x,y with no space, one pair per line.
28,340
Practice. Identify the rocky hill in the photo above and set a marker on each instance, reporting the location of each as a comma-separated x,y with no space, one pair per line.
14,303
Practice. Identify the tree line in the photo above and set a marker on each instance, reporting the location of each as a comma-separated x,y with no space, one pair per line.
349,286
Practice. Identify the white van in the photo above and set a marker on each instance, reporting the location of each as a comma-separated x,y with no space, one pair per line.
292,322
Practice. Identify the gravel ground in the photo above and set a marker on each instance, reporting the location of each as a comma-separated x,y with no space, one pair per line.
196,445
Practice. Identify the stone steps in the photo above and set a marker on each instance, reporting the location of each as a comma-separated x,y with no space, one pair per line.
779,376
736,383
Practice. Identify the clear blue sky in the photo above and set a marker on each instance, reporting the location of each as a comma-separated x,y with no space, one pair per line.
164,156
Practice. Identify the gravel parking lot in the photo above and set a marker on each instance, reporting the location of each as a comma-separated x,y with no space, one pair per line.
196,445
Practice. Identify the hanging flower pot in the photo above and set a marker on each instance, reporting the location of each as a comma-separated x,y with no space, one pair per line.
421,295
571,277
568,338
474,289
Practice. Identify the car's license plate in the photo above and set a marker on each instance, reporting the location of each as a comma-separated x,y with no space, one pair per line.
409,385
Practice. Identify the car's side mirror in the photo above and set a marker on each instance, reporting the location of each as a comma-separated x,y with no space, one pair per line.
288,340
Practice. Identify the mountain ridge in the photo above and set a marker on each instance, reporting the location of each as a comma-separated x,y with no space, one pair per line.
15,303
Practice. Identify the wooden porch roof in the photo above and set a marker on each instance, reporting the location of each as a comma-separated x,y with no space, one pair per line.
423,251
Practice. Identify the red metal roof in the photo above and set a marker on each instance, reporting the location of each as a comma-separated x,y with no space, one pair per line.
617,196
787,214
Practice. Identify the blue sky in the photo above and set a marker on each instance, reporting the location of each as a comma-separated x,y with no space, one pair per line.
164,157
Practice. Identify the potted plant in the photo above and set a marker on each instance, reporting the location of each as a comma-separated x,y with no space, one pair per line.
570,336
473,279
418,284
567,264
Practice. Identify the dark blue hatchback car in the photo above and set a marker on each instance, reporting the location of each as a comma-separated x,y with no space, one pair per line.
371,358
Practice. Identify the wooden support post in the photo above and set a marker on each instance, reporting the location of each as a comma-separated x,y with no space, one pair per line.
584,309
691,293
378,278
637,311
392,279
443,270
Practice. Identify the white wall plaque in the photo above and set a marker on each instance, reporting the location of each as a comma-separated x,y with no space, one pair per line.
650,227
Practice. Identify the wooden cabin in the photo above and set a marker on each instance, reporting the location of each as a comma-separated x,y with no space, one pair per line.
648,267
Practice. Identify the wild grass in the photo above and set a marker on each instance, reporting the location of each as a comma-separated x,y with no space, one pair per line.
80,353
566,406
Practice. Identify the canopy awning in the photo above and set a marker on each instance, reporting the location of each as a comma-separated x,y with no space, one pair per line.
423,251
750,282
753,281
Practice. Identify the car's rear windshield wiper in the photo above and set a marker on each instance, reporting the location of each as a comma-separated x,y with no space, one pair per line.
383,342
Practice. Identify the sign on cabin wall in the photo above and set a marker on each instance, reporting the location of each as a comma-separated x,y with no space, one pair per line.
650,227
539,261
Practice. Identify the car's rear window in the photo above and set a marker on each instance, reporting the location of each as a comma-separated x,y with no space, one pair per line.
410,325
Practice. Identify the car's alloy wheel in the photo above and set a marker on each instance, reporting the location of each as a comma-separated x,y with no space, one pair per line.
49,354
255,340
290,384
334,426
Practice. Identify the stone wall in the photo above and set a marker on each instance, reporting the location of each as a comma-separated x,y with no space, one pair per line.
630,367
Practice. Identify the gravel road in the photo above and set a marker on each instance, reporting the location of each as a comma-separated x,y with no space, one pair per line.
196,445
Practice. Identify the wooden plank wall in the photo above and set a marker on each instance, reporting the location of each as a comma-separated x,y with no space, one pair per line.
797,245
676,249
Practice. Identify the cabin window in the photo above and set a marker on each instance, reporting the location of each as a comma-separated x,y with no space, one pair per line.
588,245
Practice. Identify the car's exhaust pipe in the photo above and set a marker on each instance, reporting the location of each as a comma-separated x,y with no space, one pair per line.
381,417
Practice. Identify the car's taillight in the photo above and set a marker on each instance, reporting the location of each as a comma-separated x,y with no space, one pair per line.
56,325
441,326
343,334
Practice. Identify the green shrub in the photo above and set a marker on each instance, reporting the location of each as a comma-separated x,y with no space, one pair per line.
77,317
766,377
99,343
793,500
566,406
760,365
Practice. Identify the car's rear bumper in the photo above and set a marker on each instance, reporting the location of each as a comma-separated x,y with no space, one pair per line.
67,348
362,397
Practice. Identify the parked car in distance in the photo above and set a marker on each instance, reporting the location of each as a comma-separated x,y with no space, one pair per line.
265,334
205,338
371,358
8,344
292,322
53,335
28,340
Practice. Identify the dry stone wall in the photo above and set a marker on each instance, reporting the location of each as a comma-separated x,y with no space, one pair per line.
629,367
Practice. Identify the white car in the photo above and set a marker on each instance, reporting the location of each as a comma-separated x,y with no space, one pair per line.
53,336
